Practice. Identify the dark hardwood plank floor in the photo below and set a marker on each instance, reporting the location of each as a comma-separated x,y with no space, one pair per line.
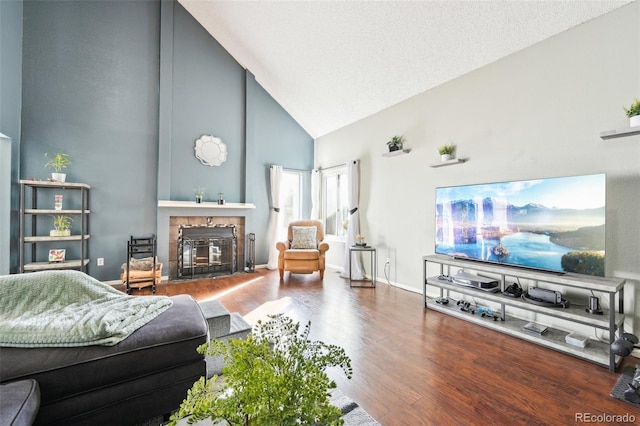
419,367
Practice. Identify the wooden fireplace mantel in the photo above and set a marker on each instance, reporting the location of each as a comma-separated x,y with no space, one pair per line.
205,205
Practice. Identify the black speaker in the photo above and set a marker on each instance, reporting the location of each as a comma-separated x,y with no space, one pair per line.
622,347
624,344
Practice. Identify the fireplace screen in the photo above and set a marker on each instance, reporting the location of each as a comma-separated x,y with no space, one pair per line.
208,250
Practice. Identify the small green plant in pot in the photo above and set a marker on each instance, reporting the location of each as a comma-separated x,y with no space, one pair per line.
446,152
58,162
274,377
396,143
199,194
633,112
61,226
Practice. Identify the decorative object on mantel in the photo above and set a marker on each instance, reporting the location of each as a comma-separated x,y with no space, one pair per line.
220,198
633,112
199,194
210,150
58,162
396,143
446,152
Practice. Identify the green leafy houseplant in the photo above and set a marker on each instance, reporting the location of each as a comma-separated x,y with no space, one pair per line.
634,109
446,149
199,194
395,143
274,377
58,161
61,225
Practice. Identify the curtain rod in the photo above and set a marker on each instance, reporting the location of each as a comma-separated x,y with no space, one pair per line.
293,170
332,167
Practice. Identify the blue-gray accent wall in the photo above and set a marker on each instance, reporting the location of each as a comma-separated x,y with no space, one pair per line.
125,88
208,99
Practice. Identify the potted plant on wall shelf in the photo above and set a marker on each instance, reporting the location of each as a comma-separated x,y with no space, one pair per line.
446,152
633,112
58,162
276,376
396,143
61,226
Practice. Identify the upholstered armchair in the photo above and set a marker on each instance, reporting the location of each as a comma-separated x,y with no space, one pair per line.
303,252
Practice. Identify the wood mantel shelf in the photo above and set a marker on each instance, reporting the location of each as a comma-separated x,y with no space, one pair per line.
205,205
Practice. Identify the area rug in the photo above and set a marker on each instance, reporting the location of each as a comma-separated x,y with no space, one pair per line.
352,413
622,384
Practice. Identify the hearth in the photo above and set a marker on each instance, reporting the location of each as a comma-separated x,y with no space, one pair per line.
206,250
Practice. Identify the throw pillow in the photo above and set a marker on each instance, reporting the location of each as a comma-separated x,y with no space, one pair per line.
304,237
143,264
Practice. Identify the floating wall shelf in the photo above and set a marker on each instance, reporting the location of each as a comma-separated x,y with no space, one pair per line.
396,153
448,162
620,133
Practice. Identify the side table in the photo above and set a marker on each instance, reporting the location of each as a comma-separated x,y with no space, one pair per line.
374,264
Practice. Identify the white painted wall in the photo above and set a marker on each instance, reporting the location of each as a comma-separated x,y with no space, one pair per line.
537,113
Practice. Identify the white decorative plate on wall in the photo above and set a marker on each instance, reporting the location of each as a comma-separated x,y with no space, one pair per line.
211,151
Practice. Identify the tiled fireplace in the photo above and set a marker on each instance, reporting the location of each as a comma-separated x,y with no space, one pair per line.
172,214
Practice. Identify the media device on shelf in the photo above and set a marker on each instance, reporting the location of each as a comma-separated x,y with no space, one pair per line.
476,281
552,224
513,290
544,297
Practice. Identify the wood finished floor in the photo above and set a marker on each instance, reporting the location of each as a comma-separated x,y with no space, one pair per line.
419,367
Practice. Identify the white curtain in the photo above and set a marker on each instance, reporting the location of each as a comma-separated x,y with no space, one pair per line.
315,194
275,222
353,228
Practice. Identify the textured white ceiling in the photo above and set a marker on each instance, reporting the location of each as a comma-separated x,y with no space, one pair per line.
331,63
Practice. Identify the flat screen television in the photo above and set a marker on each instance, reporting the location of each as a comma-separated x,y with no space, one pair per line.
553,224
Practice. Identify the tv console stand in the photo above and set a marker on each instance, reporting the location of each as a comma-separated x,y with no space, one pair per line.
596,351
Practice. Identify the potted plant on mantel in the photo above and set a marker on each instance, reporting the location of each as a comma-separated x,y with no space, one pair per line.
58,162
275,376
396,143
61,226
199,194
446,152
633,112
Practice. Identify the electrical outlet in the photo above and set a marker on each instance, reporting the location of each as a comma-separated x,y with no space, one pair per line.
100,261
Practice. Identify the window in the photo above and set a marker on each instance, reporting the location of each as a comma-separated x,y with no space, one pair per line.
335,208
291,196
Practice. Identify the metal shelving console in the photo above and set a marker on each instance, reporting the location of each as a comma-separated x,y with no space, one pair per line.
596,351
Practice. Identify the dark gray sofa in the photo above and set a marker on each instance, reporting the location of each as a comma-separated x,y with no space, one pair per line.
145,375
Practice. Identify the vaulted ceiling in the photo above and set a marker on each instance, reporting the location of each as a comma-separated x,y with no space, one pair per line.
331,63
